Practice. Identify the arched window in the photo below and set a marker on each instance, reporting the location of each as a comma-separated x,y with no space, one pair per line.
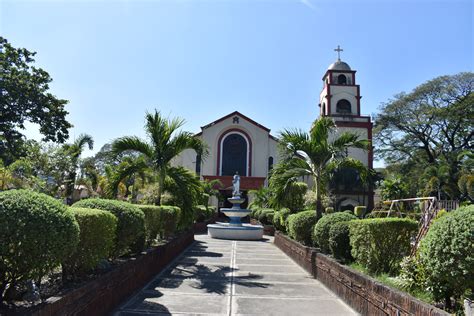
270,163
343,106
234,155
341,79
198,164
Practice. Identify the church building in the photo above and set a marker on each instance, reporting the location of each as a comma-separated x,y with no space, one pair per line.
239,144
236,144
340,100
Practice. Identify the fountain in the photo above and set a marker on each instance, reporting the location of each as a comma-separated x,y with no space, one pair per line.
235,229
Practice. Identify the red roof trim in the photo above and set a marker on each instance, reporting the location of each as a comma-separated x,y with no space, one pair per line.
239,114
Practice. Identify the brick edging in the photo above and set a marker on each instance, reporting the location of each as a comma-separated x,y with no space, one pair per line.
364,294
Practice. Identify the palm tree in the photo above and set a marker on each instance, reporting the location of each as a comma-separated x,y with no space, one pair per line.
164,143
74,152
317,155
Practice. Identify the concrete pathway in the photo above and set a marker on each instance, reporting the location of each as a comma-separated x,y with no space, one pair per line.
221,277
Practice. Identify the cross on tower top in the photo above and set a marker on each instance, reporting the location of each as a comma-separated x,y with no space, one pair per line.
338,50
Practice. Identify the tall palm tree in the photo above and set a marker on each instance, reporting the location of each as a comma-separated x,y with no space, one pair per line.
165,142
73,152
316,155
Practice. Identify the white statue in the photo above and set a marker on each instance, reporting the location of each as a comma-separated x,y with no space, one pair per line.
236,185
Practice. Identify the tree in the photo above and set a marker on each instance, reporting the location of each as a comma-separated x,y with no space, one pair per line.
165,143
394,188
74,151
429,127
316,155
25,96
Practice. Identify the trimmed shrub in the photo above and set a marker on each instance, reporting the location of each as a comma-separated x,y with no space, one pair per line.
359,211
447,254
200,213
339,242
96,242
152,221
329,210
169,219
265,216
379,244
37,234
279,218
300,226
321,229
130,234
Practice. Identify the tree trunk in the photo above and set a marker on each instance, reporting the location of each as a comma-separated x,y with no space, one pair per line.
319,205
161,182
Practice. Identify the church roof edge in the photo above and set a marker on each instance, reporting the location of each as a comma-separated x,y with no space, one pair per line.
230,115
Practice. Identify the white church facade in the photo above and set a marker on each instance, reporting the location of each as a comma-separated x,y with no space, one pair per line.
236,144
239,144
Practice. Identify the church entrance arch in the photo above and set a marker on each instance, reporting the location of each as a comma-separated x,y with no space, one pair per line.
235,147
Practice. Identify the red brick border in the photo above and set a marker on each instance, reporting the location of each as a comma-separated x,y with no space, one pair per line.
362,293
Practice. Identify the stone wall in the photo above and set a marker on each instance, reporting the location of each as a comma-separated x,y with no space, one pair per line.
362,293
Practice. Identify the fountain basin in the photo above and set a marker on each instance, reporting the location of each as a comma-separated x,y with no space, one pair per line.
229,231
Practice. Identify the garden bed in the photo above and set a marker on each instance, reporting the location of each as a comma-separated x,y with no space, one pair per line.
100,296
361,292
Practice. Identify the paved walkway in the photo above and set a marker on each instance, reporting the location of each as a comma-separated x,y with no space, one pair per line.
220,277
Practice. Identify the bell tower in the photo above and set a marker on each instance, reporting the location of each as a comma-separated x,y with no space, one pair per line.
340,100
340,95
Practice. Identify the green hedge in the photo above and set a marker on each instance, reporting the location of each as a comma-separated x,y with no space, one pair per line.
96,242
300,226
169,219
152,221
321,229
265,216
130,227
279,219
202,213
339,242
379,244
359,211
447,254
36,235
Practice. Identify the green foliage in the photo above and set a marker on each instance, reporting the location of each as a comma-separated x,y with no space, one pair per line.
279,219
394,188
152,221
37,234
329,210
339,242
300,226
359,211
265,216
321,229
130,226
165,142
412,276
316,155
96,242
428,129
287,193
26,97
260,198
169,219
379,244
202,213
447,254
466,185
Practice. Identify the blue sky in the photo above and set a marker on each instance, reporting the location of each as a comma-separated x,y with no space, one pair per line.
200,60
